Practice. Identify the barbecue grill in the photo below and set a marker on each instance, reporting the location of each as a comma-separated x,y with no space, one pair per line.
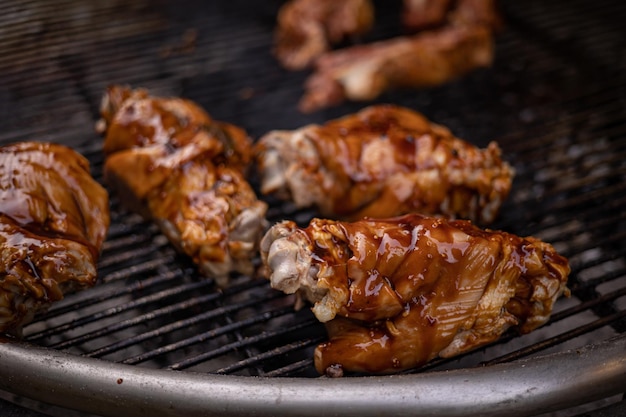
155,338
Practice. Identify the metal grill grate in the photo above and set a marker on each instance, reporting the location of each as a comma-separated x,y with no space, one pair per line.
554,100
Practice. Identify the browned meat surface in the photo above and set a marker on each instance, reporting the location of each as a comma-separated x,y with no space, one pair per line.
477,12
396,293
308,28
171,162
133,119
425,14
53,220
427,59
459,39
384,161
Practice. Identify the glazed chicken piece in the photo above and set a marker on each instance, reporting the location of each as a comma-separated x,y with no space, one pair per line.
396,293
462,40
428,14
133,119
169,161
53,220
308,28
424,60
477,12
425,14
381,162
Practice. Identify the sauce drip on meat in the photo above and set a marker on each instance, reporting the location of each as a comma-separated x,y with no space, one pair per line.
172,163
381,162
53,220
45,189
395,293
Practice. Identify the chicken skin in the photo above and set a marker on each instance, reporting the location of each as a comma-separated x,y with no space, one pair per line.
428,14
395,293
453,38
308,28
381,162
425,14
427,59
54,218
171,162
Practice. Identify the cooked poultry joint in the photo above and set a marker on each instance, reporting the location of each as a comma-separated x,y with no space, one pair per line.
53,220
308,28
395,293
381,162
170,161
427,59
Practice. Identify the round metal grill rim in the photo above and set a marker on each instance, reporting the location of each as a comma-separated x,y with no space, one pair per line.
517,388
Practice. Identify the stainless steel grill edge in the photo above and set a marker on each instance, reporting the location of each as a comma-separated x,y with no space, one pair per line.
516,388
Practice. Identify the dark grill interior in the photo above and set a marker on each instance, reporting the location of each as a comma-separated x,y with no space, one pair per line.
554,100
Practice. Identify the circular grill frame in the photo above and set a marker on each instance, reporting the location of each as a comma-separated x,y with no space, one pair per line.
518,388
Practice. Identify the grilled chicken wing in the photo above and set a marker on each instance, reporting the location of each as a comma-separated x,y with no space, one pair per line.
428,14
53,220
308,28
425,14
395,293
427,59
381,162
133,119
171,162
477,12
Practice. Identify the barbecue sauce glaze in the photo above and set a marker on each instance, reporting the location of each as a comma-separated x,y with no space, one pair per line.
413,287
384,161
53,220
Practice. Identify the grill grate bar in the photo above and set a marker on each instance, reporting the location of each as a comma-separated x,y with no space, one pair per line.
546,225
581,178
220,311
527,142
589,197
124,240
16,132
140,268
244,342
246,351
579,104
98,82
580,249
572,17
211,334
593,15
605,277
291,369
556,228
559,228
109,312
149,317
579,263
588,305
76,38
114,260
277,352
558,339
559,139
559,38
590,162
584,182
